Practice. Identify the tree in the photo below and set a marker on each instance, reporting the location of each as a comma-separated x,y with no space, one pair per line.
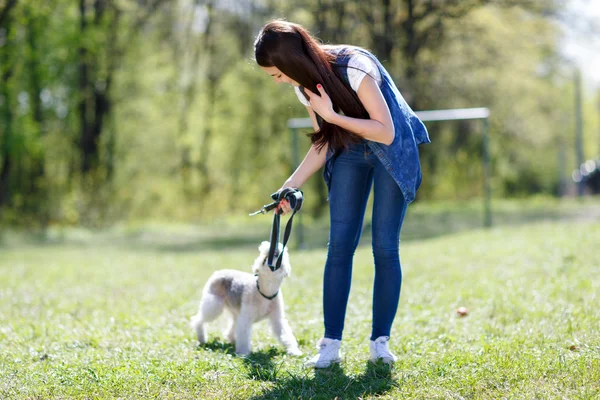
7,68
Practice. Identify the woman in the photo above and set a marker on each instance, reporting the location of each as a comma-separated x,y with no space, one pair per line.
365,135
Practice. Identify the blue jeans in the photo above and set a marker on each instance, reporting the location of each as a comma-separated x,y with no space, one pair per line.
354,172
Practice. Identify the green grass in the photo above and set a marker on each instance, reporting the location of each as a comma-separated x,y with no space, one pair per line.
104,314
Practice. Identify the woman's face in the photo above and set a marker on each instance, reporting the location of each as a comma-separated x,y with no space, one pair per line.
279,76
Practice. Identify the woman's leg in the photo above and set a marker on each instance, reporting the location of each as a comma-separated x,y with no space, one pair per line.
349,191
389,209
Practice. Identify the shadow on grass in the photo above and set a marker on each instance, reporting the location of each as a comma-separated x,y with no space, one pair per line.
260,364
217,345
332,383
326,383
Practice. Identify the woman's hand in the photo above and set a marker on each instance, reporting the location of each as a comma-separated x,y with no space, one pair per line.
284,205
321,103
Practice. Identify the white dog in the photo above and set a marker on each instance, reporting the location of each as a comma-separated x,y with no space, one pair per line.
249,298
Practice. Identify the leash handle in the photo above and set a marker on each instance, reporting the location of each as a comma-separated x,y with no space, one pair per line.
265,209
295,198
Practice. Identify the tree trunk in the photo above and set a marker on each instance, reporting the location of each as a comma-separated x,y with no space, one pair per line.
5,12
321,19
37,190
101,92
114,56
6,137
87,144
387,38
189,96
410,50
211,89
7,157
339,35
95,102
206,140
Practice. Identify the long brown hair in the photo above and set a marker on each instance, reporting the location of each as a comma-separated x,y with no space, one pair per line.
297,54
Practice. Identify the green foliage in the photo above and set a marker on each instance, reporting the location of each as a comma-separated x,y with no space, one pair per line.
193,129
486,63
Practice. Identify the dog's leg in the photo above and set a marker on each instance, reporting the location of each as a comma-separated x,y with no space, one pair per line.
230,332
210,308
243,332
283,332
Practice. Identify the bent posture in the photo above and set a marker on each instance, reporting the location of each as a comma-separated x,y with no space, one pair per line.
365,136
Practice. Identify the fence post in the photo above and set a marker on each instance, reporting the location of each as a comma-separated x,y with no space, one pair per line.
578,128
487,190
296,161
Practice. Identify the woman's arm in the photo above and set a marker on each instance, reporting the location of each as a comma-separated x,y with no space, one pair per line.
312,162
379,128
313,119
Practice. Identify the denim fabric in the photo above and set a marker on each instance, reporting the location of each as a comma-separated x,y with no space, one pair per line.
401,157
354,172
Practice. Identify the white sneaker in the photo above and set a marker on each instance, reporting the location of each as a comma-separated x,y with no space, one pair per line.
329,353
380,351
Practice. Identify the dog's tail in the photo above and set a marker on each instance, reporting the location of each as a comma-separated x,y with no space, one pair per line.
198,326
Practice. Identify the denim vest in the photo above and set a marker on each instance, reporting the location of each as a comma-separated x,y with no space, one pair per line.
401,157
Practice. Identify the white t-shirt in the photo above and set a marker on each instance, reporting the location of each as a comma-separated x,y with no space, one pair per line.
359,66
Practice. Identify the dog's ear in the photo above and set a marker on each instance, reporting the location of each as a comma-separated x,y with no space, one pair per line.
286,263
264,247
257,264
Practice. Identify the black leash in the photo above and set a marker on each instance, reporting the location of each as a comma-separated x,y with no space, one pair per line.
295,198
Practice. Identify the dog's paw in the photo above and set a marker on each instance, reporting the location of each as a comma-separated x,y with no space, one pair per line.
294,351
229,337
242,352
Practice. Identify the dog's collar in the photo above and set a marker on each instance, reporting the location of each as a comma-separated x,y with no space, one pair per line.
262,294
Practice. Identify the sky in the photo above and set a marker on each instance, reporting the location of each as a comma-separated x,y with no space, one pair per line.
581,47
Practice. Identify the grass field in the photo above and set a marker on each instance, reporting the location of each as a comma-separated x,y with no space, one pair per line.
105,314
